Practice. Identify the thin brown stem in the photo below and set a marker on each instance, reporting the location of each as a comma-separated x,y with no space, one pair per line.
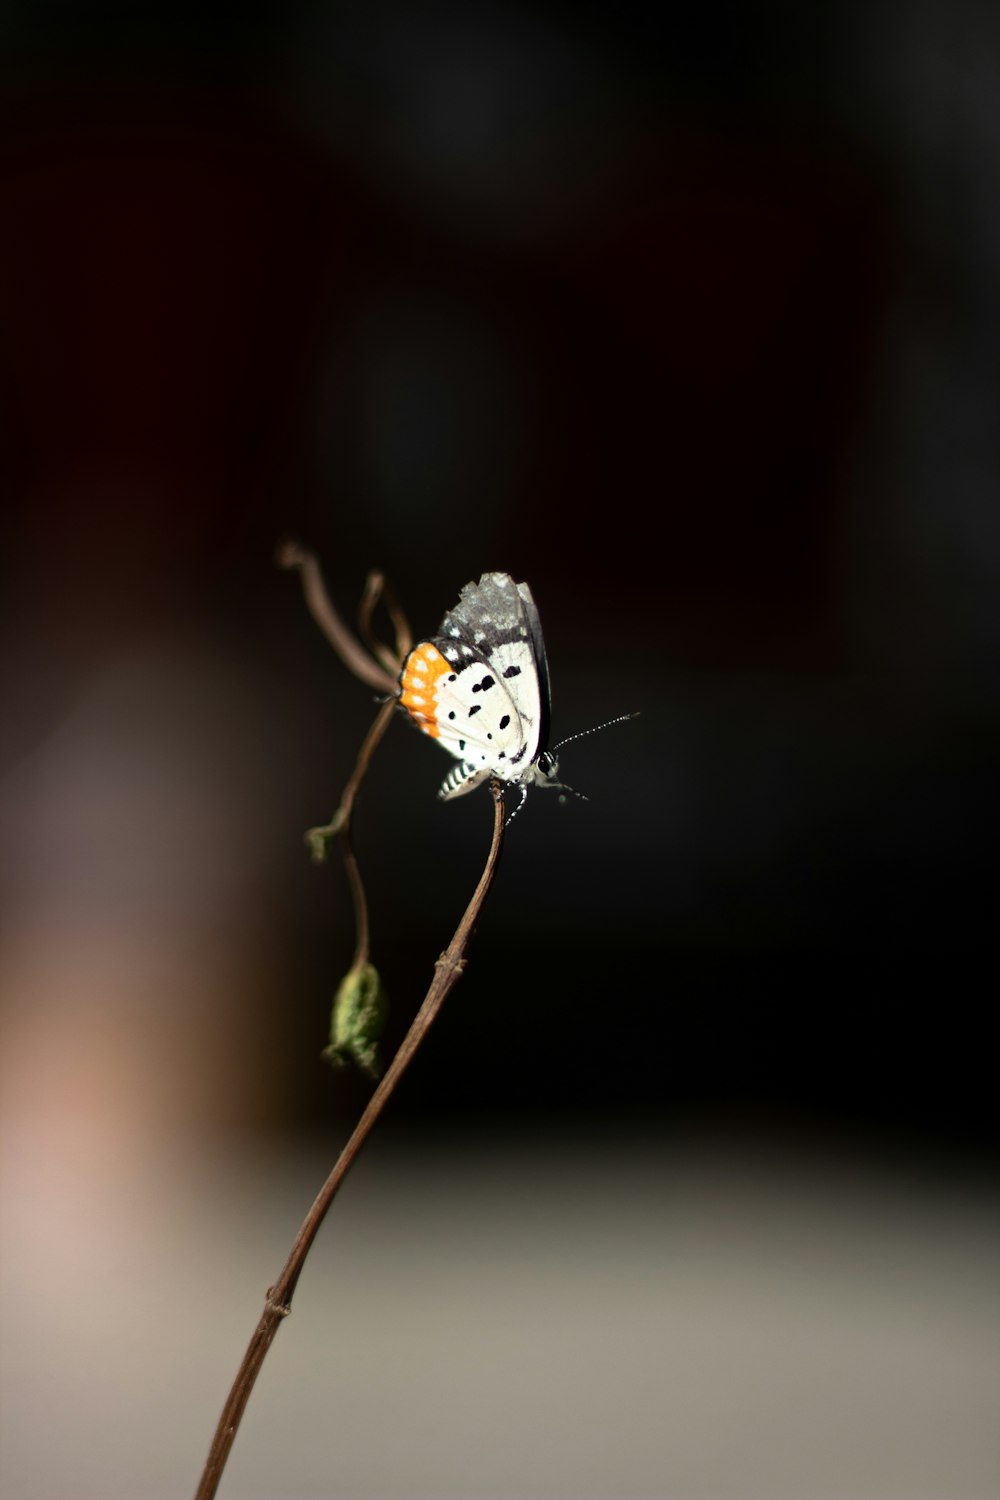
378,589
340,824
379,670
368,745
348,648
277,1304
344,815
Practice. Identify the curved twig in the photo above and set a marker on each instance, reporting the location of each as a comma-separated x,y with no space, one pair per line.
378,589
293,555
278,1302
319,839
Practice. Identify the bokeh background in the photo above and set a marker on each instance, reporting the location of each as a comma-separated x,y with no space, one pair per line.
688,317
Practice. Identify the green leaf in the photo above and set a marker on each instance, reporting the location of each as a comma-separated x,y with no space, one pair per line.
359,1012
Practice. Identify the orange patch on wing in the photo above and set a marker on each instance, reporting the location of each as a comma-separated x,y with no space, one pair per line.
422,671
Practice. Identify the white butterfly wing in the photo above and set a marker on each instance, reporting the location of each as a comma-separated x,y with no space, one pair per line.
481,687
469,711
478,720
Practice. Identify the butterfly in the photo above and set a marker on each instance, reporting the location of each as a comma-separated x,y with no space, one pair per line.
480,687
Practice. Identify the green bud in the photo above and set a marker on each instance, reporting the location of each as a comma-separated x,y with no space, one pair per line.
320,839
359,1012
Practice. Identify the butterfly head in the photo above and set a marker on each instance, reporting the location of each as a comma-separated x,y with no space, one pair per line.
546,769
545,772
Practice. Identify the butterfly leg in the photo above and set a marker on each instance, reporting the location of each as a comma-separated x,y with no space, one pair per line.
511,816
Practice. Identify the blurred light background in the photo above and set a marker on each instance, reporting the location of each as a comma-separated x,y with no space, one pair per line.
690,318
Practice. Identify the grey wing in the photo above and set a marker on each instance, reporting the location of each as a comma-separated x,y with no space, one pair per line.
490,609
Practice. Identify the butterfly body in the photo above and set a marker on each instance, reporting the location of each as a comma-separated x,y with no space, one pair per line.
481,688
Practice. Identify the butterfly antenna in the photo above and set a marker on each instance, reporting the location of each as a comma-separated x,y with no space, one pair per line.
621,719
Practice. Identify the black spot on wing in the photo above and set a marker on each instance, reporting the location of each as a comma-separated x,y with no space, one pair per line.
484,686
512,672
505,721
474,709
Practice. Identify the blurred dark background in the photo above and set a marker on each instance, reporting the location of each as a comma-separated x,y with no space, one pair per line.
690,319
